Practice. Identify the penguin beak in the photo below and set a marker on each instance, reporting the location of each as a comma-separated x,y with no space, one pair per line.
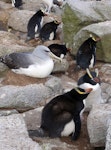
89,74
55,57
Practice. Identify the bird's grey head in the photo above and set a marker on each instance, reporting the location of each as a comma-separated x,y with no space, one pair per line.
44,52
41,51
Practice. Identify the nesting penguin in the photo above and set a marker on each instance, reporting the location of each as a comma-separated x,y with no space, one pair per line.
86,54
59,50
17,3
61,116
48,31
38,63
91,79
35,24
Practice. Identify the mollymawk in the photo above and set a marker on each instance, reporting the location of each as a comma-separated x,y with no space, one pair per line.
38,64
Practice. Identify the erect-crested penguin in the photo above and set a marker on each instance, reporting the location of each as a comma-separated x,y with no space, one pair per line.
48,31
61,116
35,24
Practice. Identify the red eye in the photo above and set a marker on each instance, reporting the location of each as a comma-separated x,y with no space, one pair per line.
97,80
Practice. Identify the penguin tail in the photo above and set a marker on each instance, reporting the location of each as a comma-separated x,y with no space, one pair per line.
37,133
1,59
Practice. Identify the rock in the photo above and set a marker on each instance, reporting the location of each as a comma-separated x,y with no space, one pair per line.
61,66
18,20
81,23
4,5
97,124
8,112
32,5
10,43
108,137
32,118
14,134
30,96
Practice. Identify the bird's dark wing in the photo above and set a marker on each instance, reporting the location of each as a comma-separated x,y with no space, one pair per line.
17,60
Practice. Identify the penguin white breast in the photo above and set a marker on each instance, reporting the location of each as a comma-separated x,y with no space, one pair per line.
13,3
51,37
37,70
68,128
91,62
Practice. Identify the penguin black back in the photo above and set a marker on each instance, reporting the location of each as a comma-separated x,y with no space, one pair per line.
59,50
48,31
16,3
35,24
60,111
86,54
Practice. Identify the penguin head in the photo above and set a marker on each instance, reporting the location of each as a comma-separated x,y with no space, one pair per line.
42,12
91,78
94,39
56,22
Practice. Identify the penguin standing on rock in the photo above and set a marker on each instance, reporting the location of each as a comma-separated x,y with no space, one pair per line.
48,31
59,50
86,54
35,24
16,3
61,116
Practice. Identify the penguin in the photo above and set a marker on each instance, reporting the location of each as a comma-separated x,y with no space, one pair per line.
35,24
86,54
38,63
92,80
16,3
48,31
59,50
61,116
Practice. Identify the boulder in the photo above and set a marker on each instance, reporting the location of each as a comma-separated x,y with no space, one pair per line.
14,134
18,20
108,137
30,96
97,124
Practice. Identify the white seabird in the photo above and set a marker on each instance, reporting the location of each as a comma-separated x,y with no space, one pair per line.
38,63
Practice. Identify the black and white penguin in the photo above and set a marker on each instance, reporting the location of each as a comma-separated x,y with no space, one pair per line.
59,50
38,64
35,24
86,54
17,3
48,31
91,79
61,116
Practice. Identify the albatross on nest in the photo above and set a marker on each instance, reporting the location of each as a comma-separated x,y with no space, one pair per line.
37,64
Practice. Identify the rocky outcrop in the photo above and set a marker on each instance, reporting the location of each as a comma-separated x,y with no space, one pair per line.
14,134
108,137
97,124
23,98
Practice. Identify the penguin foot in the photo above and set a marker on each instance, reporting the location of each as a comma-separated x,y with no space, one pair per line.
37,133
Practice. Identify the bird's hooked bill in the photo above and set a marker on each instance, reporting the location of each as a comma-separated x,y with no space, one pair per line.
55,57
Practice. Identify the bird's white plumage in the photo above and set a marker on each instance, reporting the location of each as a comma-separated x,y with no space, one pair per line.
37,70
68,129
41,63
94,97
